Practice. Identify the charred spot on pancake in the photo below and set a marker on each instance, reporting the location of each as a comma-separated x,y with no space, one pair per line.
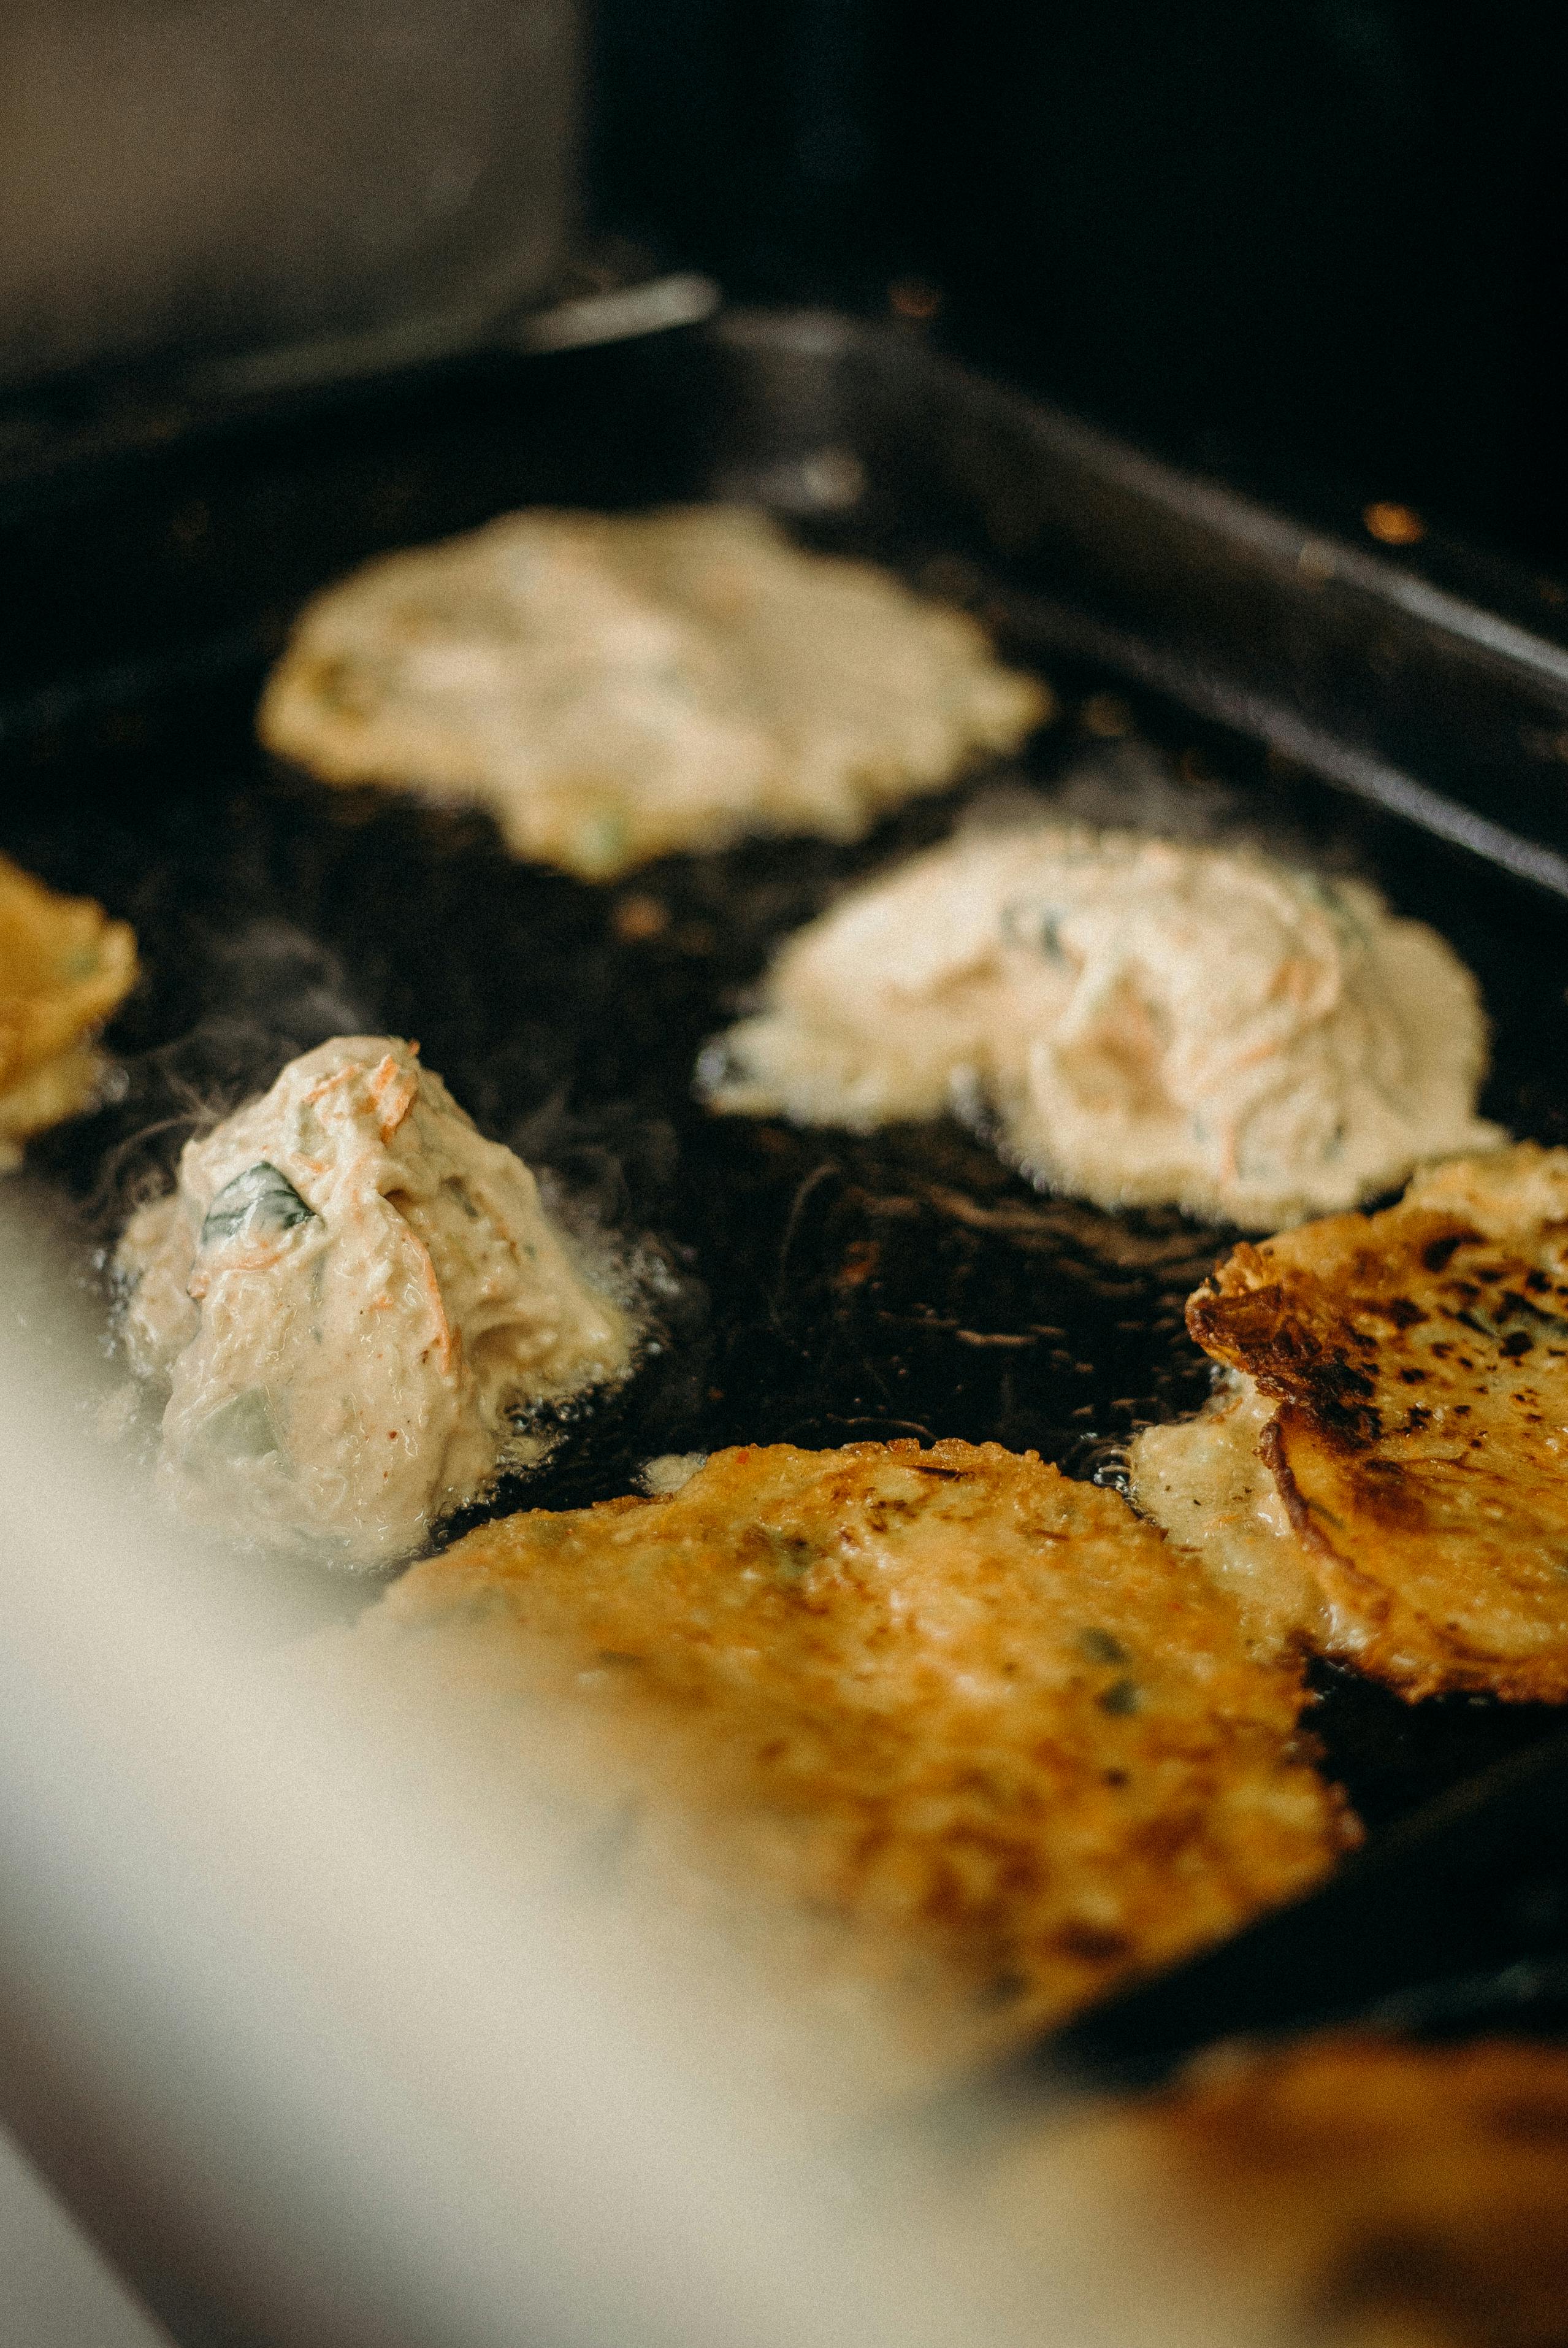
1279,1333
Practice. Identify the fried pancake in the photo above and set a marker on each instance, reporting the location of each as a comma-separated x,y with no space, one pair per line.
1418,1360
64,968
1388,2193
982,1716
1144,1022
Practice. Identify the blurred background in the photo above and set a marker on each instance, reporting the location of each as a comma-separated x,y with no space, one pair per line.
1320,246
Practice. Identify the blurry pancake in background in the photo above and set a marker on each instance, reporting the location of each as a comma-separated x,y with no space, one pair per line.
1142,1022
614,689
64,968
360,1308
1386,1474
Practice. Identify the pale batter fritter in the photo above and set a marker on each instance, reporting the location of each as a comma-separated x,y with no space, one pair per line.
352,1295
1397,1440
1144,1022
615,687
981,1715
64,968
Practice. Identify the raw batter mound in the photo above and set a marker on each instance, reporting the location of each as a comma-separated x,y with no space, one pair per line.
979,1714
1394,1445
1149,1022
1378,2191
353,1295
64,967
616,687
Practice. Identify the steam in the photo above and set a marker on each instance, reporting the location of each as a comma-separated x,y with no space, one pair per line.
283,994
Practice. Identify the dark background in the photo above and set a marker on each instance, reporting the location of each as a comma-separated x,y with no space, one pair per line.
1319,245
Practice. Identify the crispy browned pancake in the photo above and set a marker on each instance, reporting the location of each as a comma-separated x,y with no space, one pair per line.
982,1714
64,967
1419,1361
1391,2193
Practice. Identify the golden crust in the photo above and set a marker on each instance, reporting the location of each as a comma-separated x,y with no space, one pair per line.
1419,1361
64,968
1396,2192
980,1712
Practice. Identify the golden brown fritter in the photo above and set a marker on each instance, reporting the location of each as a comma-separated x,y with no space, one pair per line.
1203,1482
980,1713
1420,1362
1391,2192
64,967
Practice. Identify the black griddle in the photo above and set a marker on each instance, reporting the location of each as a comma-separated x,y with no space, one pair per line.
1218,671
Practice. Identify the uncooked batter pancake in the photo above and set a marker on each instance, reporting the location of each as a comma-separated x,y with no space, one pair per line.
616,687
1206,1482
64,967
1146,1021
1396,1441
353,1297
983,1715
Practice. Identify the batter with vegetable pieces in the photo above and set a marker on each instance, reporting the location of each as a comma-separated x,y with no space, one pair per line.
1147,1022
615,687
982,1714
352,1296
1393,1446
